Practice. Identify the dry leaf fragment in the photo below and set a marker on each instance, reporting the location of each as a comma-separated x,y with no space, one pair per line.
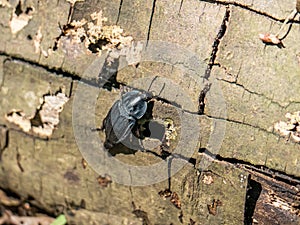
165,193
83,163
212,209
175,200
104,181
270,39
274,39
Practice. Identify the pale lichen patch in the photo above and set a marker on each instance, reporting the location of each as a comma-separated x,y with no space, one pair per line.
20,18
46,118
4,3
291,128
93,36
49,114
37,40
19,118
207,179
171,131
38,48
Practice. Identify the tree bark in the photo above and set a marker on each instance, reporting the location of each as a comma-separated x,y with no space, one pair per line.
236,170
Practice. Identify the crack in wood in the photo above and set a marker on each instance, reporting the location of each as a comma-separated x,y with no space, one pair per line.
216,43
211,63
94,83
181,3
243,123
4,139
119,12
55,71
150,22
10,129
201,99
260,94
71,89
283,179
259,169
249,8
253,92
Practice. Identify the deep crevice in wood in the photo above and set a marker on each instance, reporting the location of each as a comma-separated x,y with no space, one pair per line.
247,7
261,169
216,43
150,22
119,12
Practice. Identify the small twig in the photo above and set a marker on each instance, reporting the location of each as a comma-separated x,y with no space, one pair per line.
274,39
289,17
70,14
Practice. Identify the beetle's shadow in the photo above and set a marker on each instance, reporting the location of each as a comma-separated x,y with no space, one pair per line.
141,130
121,149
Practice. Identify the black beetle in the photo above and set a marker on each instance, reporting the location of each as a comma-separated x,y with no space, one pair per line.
123,116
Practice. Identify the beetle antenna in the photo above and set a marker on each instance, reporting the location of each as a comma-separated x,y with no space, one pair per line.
163,87
155,78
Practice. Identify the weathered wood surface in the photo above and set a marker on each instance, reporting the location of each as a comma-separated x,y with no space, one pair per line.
259,83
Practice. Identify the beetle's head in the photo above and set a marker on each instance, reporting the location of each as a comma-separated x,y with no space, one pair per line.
134,103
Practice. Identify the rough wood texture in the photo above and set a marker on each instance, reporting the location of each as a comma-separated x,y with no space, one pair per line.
259,85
